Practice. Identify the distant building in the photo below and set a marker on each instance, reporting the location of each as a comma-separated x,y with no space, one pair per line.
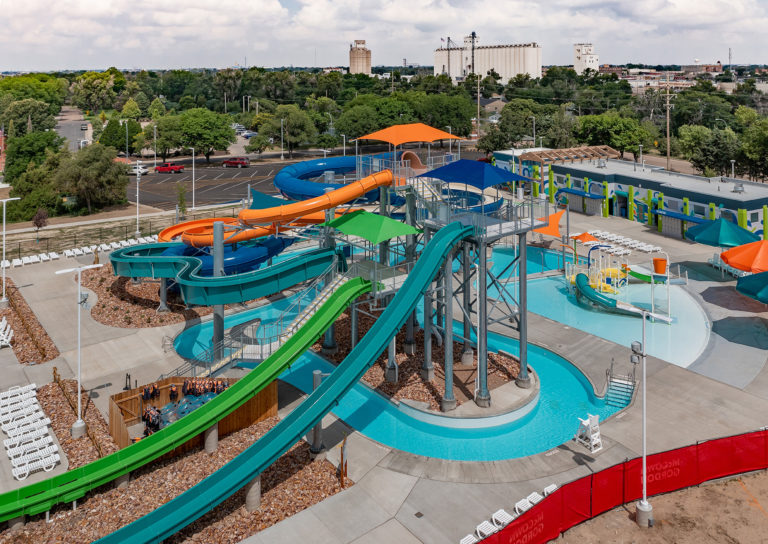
359,58
584,58
339,69
608,69
694,69
507,60
493,105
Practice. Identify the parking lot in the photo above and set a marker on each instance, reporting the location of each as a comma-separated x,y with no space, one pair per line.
213,184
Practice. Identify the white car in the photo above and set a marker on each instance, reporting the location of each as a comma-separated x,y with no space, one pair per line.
138,169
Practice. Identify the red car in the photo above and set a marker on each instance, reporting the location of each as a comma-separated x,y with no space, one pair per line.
169,167
239,162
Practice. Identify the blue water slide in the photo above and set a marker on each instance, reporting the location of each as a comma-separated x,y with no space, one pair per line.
238,258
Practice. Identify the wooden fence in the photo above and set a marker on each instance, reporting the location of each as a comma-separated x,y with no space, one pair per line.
125,410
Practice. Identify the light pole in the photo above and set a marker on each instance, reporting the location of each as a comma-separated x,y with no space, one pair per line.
541,140
4,300
126,138
154,131
344,143
78,427
450,140
330,125
282,154
640,147
733,168
644,511
193,178
534,128
138,179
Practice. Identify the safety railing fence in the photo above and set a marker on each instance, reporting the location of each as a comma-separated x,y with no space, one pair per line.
667,471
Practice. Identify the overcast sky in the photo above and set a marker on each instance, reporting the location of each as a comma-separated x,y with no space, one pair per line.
78,34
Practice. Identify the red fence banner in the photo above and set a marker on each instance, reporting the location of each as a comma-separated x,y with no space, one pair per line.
667,471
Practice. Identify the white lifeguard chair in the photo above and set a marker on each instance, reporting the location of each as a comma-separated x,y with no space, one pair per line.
588,434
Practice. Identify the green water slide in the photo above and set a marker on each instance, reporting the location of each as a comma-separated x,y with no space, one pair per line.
210,492
147,261
645,277
584,291
41,496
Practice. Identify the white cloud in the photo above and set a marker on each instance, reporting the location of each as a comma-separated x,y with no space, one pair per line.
43,35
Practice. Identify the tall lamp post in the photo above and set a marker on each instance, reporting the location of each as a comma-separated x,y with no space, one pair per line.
534,128
78,427
138,179
282,153
344,143
450,140
640,147
126,138
193,178
644,511
154,131
4,300
733,168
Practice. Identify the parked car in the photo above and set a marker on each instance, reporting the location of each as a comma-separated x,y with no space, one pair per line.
249,134
140,169
238,162
169,167
84,126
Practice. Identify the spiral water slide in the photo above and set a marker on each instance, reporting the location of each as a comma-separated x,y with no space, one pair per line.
250,224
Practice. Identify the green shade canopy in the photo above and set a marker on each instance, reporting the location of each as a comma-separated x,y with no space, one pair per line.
372,227
754,286
721,233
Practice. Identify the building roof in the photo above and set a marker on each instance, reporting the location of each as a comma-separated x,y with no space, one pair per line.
570,154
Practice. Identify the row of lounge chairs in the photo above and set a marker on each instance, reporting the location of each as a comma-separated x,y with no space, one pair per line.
29,446
626,242
718,263
76,252
501,518
6,333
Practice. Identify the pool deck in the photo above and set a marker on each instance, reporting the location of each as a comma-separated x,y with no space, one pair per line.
407,498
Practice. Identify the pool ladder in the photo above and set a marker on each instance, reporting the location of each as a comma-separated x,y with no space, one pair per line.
619,388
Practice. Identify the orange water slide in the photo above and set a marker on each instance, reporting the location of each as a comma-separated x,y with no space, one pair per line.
199,233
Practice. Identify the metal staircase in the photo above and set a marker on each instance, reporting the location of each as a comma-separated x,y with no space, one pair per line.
620,388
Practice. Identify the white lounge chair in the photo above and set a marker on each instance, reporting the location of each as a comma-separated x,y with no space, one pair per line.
34,259
535,498
123,243
485,529
115,245
5,341
77,252
86,250
69,253
44,258
17,262
27,416
6,264
17,390
25,260
28,445
17,441
523,505
47,464
53,255
12,401
501,518
469,539
551,488
34,455
103,247
29,427
8,411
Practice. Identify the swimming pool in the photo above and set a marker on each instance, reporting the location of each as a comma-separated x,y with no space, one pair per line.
679,343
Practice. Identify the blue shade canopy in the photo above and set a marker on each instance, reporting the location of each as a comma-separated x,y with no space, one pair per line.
475,173
754,286
721,233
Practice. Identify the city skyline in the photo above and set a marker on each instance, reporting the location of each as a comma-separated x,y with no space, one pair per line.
76,35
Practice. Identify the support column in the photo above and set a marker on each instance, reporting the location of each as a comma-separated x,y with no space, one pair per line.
467,355
384,211
316,448
483,396
163,307
448,401
410,256
218,271
427,368
253,494
410,341
523,379
354,326
392,369
211,438
121,482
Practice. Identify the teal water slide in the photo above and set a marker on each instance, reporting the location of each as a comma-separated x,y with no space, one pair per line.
147,261
74,484
213,490
584,291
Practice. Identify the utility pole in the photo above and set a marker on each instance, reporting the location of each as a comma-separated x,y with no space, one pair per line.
474,37
668,107
478,98
449,59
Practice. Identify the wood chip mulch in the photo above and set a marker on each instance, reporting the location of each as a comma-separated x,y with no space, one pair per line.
121,303
410,385
81,451
290,485
30,343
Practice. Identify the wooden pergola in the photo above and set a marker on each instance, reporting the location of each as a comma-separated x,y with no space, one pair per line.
570,154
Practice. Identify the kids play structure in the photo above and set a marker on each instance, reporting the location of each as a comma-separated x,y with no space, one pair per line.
340,243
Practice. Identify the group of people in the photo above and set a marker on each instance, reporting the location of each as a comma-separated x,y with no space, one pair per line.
151,419
201,386
150,391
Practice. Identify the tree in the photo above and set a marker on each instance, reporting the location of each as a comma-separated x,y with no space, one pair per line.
143,102
327,141
29,149
494,139
692,138
755,148
297,127
39,221
94,91
156,109
206,131
93,177
442,111
329,85
181,198
28,111
131,110
280,86
113,135
620,133
169,135
357,121
257,144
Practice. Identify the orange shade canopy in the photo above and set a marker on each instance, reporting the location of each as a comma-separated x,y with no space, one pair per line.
553,225
585,237
413,132
752,257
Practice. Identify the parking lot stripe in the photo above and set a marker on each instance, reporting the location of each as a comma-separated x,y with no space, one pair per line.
217,177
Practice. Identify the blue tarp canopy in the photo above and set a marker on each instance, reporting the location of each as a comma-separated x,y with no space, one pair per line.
475,173
579,192
260,201
681,216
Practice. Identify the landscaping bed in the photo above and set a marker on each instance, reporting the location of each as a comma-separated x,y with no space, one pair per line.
31,344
